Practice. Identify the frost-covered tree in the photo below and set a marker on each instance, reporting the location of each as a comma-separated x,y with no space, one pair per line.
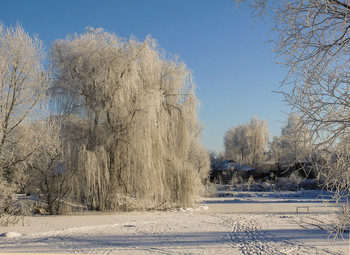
23,80
295,141
275,150
247,143
138,142
235,143
215,159
312,42
258,137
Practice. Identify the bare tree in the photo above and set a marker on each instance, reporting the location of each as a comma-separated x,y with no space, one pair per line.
313,42
23,79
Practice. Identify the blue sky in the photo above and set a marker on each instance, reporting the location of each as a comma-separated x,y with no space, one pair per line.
232,62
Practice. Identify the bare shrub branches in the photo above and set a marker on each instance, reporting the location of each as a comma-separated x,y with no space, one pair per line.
313,44
7,208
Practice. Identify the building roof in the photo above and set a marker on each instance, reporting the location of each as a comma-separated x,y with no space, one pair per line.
231,165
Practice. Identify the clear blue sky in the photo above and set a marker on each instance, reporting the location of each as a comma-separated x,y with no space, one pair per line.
231,61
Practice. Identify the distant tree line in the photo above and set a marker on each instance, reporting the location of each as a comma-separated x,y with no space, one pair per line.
249,143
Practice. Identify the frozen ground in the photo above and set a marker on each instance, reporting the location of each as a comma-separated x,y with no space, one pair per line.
239,223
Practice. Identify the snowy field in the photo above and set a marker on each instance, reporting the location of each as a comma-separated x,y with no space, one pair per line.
238,223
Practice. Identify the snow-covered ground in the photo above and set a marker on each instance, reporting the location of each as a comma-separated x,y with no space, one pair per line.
241,223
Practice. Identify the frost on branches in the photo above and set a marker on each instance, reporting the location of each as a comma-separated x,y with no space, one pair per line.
313,42
132,111
247,143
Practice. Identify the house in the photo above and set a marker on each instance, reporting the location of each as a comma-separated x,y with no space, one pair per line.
226,170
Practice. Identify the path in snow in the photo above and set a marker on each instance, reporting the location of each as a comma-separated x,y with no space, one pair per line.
213,231
248,236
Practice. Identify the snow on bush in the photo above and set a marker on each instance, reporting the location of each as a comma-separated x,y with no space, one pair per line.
10,234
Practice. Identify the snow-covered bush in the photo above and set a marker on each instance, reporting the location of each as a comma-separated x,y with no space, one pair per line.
250,182
9,213
342,223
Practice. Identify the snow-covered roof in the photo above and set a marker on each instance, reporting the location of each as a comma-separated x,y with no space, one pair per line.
231,165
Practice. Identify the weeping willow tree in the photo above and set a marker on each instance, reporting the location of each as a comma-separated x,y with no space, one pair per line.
138,127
